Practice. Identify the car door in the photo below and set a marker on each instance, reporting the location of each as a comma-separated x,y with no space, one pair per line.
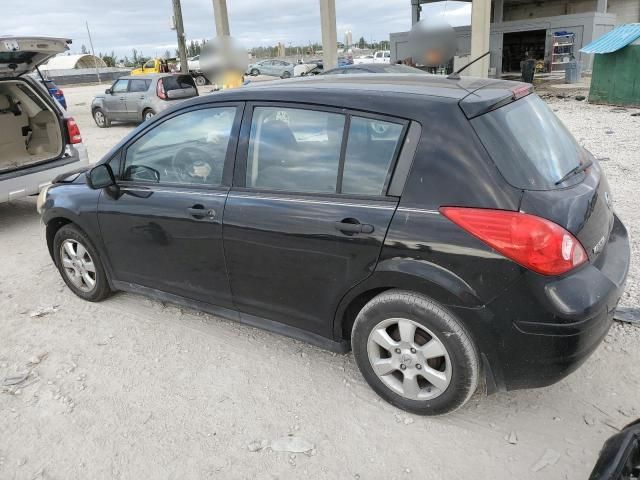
116,101
268,68
135,96
308,213
162,226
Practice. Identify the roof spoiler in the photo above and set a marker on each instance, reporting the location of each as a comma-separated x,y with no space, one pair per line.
493,96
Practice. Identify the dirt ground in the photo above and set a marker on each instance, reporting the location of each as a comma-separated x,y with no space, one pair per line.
131,388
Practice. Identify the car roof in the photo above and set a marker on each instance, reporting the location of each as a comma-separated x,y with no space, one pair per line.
149,76
391,83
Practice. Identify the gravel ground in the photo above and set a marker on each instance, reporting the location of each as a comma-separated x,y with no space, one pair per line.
131,388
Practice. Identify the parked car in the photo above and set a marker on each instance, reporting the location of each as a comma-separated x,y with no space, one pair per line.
363,59
136,99
193,64
374,68
349,213
38,138
274,68
382,56
55,92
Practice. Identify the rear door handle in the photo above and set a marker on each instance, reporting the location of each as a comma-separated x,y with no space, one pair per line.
198,211
353,227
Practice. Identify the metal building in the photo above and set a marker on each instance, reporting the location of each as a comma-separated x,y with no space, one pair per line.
550,31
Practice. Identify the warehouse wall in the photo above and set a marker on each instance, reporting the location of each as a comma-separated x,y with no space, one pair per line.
627,11
548,9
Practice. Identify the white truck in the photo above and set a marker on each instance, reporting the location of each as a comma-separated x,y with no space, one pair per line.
382,56
39,140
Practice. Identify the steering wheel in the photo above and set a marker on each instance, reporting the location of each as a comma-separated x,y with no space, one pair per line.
192,165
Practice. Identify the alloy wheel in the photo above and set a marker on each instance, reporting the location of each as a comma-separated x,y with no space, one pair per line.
77,265
409,359
99,118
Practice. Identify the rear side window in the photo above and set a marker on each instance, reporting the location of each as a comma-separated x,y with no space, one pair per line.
370,151
530,146
177,82
299,150
139,85
294,150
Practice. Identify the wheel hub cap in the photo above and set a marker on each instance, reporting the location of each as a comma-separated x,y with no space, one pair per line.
409,359
78,265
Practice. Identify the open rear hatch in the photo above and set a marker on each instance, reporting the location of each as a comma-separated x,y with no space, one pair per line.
20,55
561,181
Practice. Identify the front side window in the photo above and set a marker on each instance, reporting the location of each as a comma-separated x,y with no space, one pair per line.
120,86
293,149
150,64
371,148
190,148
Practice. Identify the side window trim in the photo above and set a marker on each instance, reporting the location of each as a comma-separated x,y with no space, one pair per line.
240,172
230,156
405,160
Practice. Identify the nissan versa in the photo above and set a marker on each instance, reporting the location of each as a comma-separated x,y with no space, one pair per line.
451,232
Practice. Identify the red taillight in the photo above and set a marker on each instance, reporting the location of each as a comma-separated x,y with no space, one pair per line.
73,131
160,91
58,93
521,91
533,242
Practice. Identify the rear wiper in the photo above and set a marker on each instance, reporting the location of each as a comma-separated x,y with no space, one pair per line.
575,170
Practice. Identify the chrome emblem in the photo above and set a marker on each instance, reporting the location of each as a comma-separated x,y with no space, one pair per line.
607,199
597,248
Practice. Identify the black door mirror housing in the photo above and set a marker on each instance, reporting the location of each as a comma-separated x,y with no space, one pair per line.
100,176
108,91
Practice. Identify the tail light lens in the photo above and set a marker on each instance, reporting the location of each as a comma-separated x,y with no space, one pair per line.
58,93
160,91
533,242
73,131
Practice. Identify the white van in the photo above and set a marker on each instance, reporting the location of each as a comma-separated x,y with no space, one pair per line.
38,139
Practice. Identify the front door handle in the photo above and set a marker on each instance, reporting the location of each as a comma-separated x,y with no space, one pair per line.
349,225
198,211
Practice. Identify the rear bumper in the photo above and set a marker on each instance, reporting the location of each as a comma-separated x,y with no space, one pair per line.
545,328
22,183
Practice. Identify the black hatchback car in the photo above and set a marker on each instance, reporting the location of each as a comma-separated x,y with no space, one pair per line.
451,232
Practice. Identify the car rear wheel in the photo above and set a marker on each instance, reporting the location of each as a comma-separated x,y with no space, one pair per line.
79,264
255,72
414,353
286,74
201,80
148,114
101,118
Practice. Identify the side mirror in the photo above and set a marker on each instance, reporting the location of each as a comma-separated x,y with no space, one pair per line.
100,176
108,91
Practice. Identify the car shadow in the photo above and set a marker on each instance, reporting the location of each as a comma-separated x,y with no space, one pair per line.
17,213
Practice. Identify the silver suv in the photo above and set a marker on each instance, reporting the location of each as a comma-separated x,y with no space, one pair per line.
39,140
140,97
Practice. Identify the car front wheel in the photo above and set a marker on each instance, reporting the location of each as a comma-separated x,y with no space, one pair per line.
101,118
255,72
79,264
148,115
414,353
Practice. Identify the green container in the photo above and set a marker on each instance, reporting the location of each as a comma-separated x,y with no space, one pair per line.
616,77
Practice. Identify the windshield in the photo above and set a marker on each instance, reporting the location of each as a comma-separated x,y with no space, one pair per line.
530,146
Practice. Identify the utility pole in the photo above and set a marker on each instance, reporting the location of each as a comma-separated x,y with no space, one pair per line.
221,18
329,34
93,52
182,48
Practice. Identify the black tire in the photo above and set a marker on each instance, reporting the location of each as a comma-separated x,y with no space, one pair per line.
101,289
255,72
148,114
101,119
200,80
286,74
461,350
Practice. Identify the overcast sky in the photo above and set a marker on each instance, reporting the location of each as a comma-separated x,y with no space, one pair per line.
121,25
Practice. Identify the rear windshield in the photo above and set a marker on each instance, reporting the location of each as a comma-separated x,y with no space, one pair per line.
16,57
530,146
178,82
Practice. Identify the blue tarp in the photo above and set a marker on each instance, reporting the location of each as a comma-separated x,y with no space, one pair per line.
616,39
